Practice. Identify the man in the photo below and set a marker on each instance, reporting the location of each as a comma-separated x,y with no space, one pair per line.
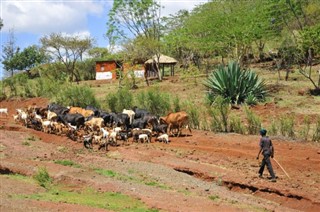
267,150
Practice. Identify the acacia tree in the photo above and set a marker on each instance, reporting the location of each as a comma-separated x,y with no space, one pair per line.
67,50
136,21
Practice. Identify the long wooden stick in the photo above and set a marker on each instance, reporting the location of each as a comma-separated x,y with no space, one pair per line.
281,167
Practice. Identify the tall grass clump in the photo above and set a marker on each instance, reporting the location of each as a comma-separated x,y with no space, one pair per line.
75,95
176,104
316,134
42,177
155,101
235,83
287,126
121,99
273,129
254,121
220,110
304,132
194,114
235,125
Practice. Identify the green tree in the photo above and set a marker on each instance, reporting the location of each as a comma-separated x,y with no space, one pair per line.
99,53
28,58
9,50
67,50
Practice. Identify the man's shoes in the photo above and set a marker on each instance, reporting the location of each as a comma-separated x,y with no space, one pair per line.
260,176
273,180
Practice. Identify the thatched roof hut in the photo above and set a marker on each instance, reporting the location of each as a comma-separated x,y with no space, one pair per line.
163,61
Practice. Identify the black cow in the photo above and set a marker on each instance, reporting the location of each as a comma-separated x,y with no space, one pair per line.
160,128
58,109
122,120
140,113
75,119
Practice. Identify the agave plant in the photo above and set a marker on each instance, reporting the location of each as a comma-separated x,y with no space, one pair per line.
234,83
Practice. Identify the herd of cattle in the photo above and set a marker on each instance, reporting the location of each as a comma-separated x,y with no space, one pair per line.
91,125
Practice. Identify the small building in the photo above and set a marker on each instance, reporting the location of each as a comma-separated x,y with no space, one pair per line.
107,69
164,60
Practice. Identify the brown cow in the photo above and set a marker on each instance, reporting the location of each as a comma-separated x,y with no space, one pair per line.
176,121
84,112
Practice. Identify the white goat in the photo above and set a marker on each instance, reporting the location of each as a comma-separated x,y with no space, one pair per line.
4,110
113,137
144,138
130,113
163,138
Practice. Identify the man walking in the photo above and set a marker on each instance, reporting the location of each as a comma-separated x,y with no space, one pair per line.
267,150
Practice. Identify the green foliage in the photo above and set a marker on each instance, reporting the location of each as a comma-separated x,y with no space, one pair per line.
110,201
254,122
67,163
43,178
273,130
67,50
155,101
220,111
310,38
176,104
287,126
304,132
236,125
75,95
122,99
236,84
316,133
193,111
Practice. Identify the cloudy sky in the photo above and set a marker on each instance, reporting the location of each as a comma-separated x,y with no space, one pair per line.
31,19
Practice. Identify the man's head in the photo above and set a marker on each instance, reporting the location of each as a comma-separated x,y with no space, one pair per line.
263,132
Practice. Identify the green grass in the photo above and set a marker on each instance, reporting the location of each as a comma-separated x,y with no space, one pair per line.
145,180
214,197
89,197
67,163
21,177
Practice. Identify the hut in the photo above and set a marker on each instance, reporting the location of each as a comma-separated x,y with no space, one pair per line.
107,69
163,60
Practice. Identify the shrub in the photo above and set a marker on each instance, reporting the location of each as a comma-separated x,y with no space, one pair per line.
273,128
176,104
155,101
316,134
220,114
194,114
236,125
42,177
236,84
254,122
75,95
287,126
304,132
122,99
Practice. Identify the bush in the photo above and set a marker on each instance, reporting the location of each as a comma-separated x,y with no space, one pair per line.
236,125
220,111
287,126
42,177
194,112
273,128
120,100
254,122
75,95
304,132
236,84
155,101
316,134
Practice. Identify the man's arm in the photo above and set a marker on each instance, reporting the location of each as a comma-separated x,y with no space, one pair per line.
259,153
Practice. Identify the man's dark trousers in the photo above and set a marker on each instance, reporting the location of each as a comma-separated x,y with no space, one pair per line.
266,161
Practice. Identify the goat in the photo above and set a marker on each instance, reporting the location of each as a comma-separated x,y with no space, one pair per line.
4,110
144,138
87,141
113,137
163,138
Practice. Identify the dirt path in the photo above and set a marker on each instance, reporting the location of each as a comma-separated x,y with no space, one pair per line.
202,172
